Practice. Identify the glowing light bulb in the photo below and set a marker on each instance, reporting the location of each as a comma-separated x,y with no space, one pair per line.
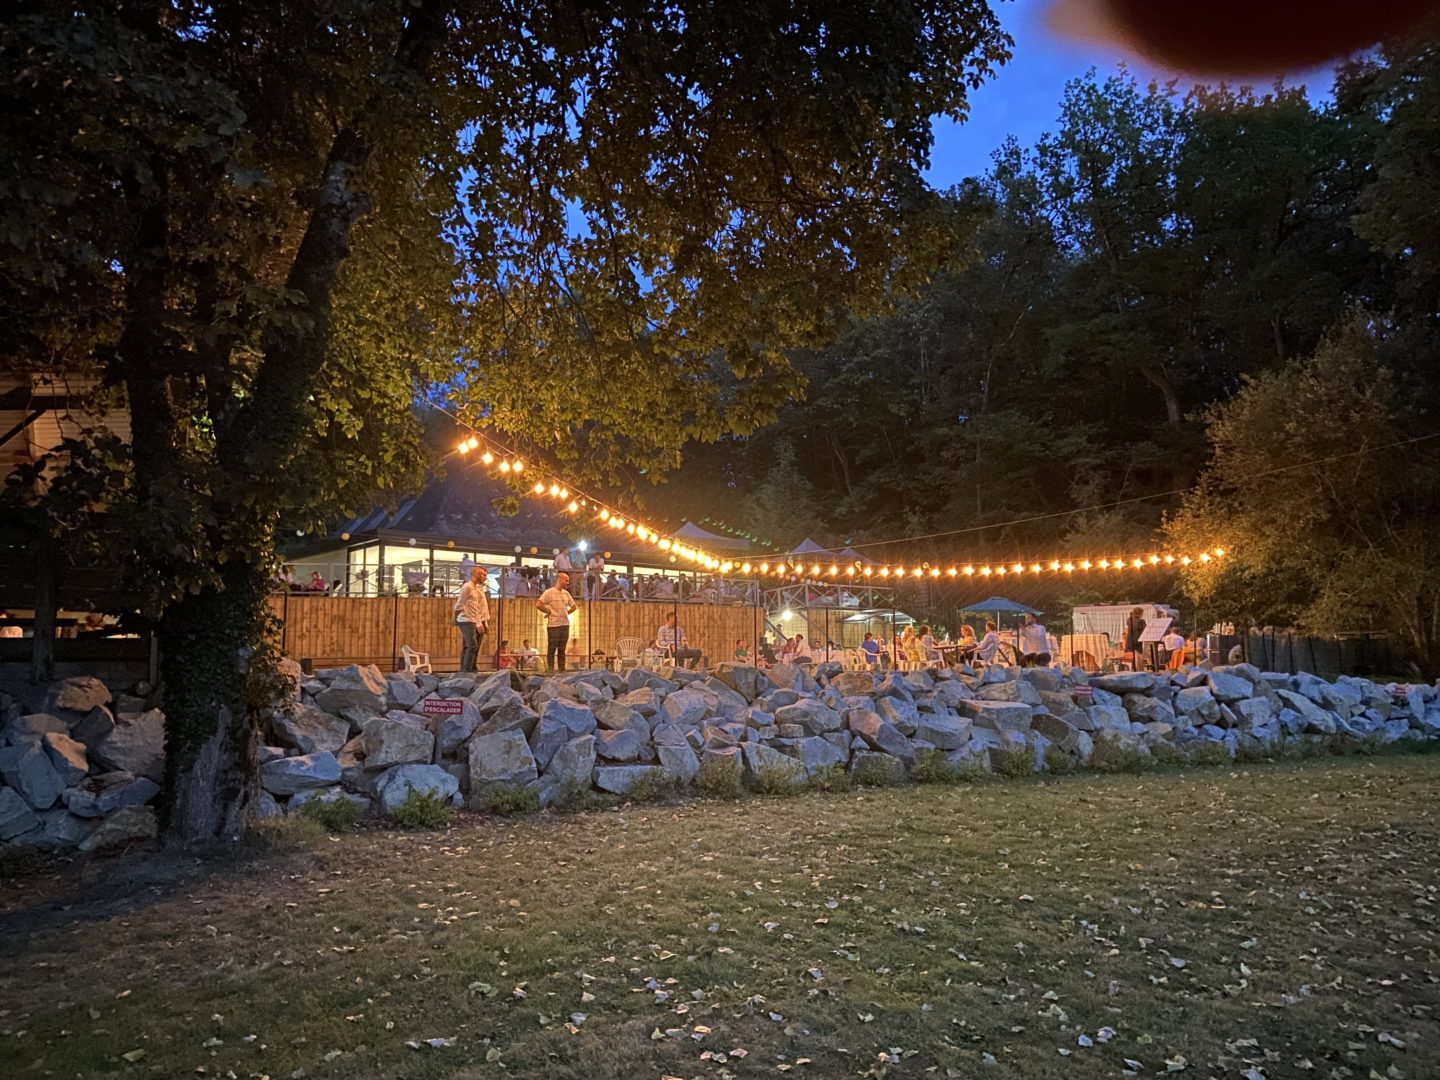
834,570
487,457
868,571
935,572
764,568
1054,564
1069,568
539,488
1204,556
554,489
505,466
1184,560
1018,568
1154,559
519,465
884,571
464,446
1000,570
1137,564
1104,564
815,570
952,571
1085,565
573,506
984,571
604,515
1169,559
969,571
1035,568
745,568
1219,553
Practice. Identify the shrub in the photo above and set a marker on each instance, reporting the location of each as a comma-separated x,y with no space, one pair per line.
1059,761
879,771
577,798
335,816
1250,751
830,778
277,835
775,780
509,801
1111,756
1208,754
424,810
1014,761
931,767
1166,754
720,778
653,787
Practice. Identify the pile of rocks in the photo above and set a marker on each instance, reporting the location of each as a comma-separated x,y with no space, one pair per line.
355,733
80,770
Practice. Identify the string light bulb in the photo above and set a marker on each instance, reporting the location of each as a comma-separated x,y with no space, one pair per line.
487,458
504,466
539,488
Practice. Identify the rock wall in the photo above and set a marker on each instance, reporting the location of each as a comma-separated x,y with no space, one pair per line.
82,768
358,734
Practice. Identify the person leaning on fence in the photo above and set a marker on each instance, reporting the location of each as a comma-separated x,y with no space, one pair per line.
1034,644
557,604
472,615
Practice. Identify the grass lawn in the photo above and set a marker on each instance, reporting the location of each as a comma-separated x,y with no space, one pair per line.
1271,920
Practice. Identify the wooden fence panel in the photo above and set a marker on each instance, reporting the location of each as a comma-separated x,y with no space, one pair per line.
329,631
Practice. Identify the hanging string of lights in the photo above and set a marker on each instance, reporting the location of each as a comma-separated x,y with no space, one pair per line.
577,503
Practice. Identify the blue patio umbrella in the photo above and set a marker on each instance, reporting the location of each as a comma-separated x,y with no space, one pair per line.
1000,606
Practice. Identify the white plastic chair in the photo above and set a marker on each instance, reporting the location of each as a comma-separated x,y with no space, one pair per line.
415,662
627,652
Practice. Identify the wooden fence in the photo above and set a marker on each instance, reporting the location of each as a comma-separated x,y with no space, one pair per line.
330,631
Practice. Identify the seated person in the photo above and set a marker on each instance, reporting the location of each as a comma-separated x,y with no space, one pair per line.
870,650
1034,644
967,641
767,651
527,656
799,650
507,658
742,652
671,639
989,644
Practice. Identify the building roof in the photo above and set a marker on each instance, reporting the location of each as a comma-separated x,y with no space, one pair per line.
808,547
999,604
38,411
706,539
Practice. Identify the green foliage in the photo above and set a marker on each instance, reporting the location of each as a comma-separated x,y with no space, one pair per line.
931,767
1332,546
578,798
1110,756
775,780
431,810
334,816
1206,753
721,778
1059,761
657,786
1167,755
1013,761
879,771
832,778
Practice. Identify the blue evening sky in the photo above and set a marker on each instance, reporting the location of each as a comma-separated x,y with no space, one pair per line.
1024,100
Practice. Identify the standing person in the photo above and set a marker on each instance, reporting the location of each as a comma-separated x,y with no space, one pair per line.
557,604
1174,649
1034,644
671,639
594,574
562,561
472,615
1134,627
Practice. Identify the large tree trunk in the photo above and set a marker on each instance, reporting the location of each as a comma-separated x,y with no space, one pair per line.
214,677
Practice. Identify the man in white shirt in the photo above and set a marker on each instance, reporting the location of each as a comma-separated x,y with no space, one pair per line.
1174,643
1034,644
557,604
472,615
594,574
562,561
671,640
799,650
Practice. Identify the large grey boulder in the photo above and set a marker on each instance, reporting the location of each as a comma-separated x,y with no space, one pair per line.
136,745
1254,712
32,727
615,716
453,731
1342,698
1144,709
511,716
59,829
67,756
745,679
496,687
622,745
1228,688
389,742
687,706
310,730
131,823
402,690
643,699
1060,732
814,716
560,721
459,684
102,795
1317,720
356,685
28,770
1198,703
1043,678
16,815
572,765
944,732
77,694
899,712
500,760
952,692
93,726
679,762
851,683
788,676
760,758
287,776
879,767
1008,716
817,752
1125,682
491,702
394,786
723,698
879,734
621,779
1108,718
1017,691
